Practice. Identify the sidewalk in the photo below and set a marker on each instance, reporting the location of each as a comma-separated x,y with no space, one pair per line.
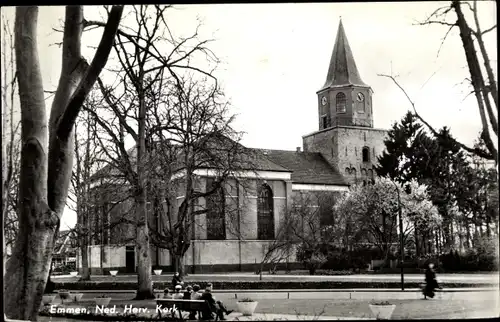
415,294
492,277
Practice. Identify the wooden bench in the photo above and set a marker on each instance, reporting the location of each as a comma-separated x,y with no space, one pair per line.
185,305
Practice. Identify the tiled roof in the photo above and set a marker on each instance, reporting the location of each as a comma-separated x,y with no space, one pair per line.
212,156
245,159
342,69
306,167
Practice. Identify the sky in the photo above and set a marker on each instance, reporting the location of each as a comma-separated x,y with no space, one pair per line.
275,57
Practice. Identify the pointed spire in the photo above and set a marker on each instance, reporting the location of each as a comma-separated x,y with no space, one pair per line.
342,70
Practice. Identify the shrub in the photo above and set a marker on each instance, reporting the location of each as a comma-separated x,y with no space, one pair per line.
345,261
259,285
246,300
311,258
483,258
380,303
64,269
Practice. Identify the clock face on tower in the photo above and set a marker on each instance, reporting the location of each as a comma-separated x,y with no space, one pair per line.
323,100
360,97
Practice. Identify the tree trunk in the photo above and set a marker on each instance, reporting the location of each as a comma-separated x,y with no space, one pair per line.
42,188
145,285
178,263
85,262
28,268
460,238
417,248
452,236
467,234
477,79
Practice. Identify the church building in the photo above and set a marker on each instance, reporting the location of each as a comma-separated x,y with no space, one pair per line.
341,152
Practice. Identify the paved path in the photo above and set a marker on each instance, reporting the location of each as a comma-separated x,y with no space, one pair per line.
480,278
492,294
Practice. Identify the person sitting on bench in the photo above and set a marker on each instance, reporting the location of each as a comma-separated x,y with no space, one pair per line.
187,293
178,295
166,294
196,295
177,280
215,306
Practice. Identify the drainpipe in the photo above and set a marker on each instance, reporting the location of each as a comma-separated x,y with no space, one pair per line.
239,224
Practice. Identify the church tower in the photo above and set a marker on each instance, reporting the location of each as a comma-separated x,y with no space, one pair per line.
344,99
346,136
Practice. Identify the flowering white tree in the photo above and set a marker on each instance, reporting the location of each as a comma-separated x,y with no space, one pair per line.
375,209
420,215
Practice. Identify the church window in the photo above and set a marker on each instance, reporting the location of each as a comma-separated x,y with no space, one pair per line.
106,216
363,173
347,171
361,107
341,102
370,173
216,204
324,122
353,172
345,151
366,154
326,219
265,215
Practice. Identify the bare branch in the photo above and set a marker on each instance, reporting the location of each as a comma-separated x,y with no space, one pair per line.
101,56
475,151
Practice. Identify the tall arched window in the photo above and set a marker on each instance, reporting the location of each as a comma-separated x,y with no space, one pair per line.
265,215
341,102
366,154
216,212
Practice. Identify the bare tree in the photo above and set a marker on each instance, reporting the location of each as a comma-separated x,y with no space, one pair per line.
147,52
309,227
46,166
484,90
193,133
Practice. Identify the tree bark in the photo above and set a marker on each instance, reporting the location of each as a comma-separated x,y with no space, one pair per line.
42,188
145,286
177,263
477,79
85,262
417,245
467,234
28,268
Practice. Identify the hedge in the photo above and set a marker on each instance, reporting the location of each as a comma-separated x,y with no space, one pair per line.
260,285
